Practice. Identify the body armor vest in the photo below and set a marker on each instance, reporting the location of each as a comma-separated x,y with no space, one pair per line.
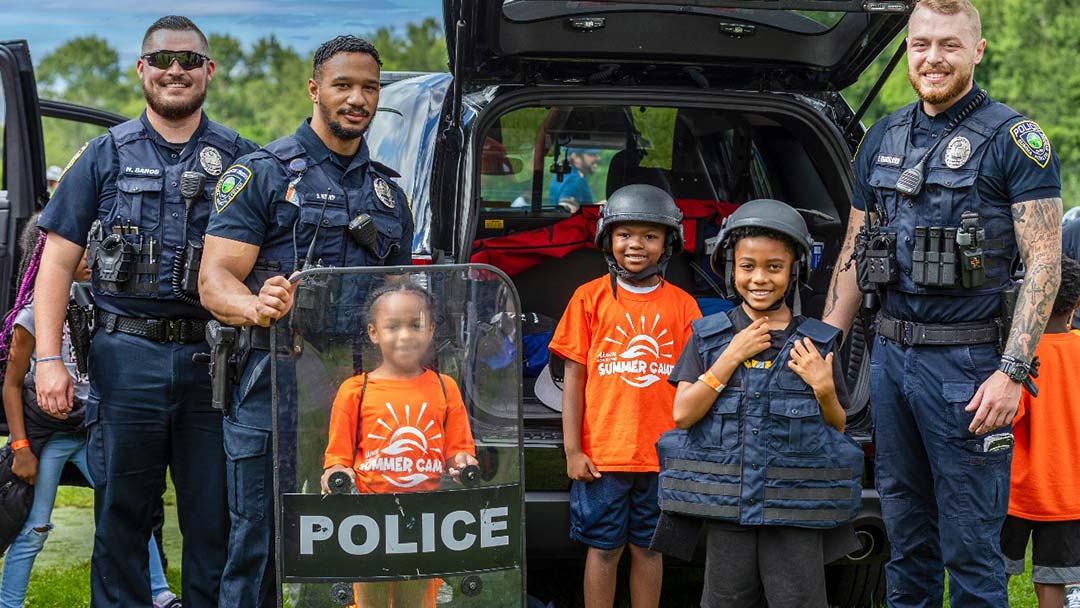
762,455
133,247
948,192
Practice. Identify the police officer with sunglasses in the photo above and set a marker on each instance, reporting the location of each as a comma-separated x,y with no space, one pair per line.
137,200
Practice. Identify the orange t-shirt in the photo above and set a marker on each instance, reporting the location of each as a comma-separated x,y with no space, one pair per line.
628,347
1045,476
408,430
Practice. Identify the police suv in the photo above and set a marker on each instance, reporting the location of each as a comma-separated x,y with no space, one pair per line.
718,102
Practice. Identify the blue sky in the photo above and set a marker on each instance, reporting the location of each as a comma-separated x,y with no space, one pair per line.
301,24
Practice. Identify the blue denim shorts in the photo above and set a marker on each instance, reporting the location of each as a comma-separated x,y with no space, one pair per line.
618,507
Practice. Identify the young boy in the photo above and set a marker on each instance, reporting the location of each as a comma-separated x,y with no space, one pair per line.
760,406
619,337
1044,500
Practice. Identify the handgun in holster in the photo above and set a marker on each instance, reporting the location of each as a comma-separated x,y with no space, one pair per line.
79,320
224,358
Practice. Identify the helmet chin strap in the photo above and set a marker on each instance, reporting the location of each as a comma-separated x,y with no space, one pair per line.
618,272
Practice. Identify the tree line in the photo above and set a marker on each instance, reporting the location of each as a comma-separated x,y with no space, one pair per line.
1032,63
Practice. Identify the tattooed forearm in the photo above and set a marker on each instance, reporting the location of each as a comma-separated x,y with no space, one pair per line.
1038,234
843,300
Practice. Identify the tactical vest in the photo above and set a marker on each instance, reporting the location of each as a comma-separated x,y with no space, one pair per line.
946,194
762,455
317,211
148,212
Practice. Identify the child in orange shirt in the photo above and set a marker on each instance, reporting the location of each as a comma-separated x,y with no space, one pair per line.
399,427
620,336
1044,499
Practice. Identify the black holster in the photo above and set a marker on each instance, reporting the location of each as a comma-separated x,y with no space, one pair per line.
225,364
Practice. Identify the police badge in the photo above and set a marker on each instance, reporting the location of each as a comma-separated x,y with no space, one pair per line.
957,152
210,159
382,190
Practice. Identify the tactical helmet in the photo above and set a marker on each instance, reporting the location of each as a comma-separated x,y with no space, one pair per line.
761,213
640,203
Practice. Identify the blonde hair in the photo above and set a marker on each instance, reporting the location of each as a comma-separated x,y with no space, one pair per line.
952,7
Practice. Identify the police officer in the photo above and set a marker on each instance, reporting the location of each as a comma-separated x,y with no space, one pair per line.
292,201
142,192
949,191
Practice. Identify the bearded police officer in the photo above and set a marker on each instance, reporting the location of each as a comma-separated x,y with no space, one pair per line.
141,192
949,191
312,198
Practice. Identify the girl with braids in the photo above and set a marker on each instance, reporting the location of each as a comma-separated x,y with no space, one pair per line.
43,444
401,426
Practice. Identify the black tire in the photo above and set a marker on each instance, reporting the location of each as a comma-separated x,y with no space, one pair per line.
856,586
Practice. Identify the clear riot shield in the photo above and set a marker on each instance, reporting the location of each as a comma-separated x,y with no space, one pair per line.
398,439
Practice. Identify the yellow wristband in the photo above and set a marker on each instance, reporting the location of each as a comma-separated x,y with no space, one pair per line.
711,381
19,444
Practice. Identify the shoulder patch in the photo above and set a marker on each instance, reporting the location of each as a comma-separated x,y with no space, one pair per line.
230,184
1032,141
72,161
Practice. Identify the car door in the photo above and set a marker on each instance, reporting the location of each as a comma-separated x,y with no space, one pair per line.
23,184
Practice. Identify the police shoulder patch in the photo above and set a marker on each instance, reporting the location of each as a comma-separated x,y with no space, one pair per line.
72,161
230,184
1032,141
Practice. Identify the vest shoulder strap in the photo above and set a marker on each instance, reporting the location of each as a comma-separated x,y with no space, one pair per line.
989,118
384,171
712,325
127,132
285,149
818,331
220,136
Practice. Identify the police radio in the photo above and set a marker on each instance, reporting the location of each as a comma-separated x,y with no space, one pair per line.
876,266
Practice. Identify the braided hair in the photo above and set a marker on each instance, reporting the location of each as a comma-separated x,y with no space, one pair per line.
388,288
32,243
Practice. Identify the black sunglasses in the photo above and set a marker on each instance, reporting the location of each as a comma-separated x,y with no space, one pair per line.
188,60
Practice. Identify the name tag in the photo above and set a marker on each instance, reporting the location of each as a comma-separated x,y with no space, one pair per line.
889,160
142,171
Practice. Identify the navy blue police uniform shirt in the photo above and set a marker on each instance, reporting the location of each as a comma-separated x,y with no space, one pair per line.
1007,176
250,215
89,185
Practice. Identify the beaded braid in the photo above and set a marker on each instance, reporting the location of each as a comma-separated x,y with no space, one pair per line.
29,270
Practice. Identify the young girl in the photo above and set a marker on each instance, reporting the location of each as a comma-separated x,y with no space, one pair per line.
400,411
44,444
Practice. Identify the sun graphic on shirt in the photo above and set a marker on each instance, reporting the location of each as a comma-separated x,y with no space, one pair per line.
637,342
407,438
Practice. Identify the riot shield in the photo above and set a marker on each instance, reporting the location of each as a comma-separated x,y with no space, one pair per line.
398,439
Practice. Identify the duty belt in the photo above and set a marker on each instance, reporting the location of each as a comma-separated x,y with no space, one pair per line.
909,333
180,331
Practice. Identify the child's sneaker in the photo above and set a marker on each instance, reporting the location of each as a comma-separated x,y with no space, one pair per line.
1072,596
167,599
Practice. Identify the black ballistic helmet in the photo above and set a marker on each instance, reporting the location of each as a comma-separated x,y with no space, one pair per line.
639,203
771,215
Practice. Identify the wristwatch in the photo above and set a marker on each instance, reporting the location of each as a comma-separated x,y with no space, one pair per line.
1014,368
711,381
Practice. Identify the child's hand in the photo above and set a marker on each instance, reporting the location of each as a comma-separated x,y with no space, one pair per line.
458,463
806,361
25,465
580,467
749,342
325,481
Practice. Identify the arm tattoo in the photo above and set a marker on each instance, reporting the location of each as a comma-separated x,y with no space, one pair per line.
1037,225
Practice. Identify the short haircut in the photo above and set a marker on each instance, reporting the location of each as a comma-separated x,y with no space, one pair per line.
952,7
746,232
1068,295
173,23
342,44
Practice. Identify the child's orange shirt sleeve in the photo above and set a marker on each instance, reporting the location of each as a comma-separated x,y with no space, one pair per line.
341,442
459,436
573,334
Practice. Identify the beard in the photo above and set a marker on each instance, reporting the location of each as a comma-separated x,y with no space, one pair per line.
172,109
955,86
338,129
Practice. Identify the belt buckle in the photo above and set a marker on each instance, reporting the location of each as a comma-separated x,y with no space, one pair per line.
907,333
171,330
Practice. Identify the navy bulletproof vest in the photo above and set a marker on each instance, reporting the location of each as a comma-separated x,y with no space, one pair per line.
762,455
148,200
947,193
